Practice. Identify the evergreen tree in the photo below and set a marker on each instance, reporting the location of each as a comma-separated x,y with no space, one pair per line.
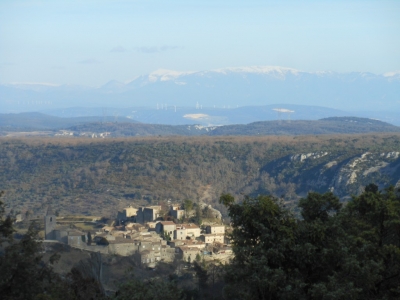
331,253
89,237
197,218
23,274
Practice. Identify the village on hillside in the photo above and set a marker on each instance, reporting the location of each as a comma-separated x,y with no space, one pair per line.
144,234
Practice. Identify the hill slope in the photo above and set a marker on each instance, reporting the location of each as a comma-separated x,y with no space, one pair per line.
40,121
97,177
335,125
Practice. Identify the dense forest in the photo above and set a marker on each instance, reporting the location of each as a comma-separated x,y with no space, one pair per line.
332,251
97,177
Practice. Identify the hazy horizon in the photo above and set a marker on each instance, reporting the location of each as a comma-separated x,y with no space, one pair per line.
92,42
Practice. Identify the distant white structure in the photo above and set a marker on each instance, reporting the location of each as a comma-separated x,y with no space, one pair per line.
284,111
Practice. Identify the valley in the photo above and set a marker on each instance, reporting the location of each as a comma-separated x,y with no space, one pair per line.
99,176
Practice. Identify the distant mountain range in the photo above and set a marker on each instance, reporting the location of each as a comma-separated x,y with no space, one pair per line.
220,89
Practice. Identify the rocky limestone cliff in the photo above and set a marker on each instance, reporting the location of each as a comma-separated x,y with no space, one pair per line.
340,173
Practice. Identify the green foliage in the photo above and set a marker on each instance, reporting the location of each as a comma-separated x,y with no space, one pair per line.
187,205
198,258
227,200
198,216
6,224
375,230
166,235
136,289
202,276
263,234
319,206
23,275
332,253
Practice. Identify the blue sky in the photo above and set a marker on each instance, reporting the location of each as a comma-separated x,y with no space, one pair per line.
91,42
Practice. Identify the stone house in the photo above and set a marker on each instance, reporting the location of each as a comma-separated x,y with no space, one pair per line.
148,214
147,257
212,238
193,231
76,238
127,213
180,233
215,229
166,226
184,231
176,212
187,253
145,245
151,226
167,253
123,247
187,243
63,234
134,227
130,211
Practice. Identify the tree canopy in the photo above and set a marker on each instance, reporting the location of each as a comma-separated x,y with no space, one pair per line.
332,252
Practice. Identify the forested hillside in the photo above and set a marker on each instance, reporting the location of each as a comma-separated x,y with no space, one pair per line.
100,176
332,125
35,123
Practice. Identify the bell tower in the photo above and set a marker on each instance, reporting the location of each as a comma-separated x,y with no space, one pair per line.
49,224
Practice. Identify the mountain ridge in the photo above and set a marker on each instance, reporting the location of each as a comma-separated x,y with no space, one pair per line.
257,85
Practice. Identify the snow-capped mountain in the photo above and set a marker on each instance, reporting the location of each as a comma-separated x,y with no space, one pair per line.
229,87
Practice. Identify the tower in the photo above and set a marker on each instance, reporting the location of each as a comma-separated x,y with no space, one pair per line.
49,224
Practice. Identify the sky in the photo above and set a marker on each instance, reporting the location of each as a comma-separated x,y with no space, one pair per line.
90,42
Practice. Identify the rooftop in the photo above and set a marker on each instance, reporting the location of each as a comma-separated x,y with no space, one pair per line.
187,226
167,223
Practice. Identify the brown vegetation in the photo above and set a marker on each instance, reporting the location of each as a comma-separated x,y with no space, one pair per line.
97,177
